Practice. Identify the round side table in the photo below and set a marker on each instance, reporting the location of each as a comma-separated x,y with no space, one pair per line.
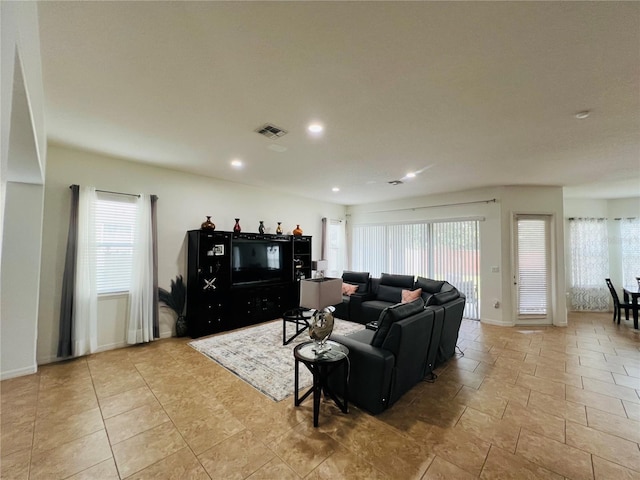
321,367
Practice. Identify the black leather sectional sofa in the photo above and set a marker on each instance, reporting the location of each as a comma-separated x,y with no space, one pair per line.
410,341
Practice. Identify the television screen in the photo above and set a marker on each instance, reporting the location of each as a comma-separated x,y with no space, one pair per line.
257,261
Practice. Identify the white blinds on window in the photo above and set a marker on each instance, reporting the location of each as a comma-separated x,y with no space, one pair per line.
115,218
533,266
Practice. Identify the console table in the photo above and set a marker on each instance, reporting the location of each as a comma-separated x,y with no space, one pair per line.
322,366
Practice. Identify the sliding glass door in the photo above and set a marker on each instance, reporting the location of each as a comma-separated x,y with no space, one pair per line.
439,250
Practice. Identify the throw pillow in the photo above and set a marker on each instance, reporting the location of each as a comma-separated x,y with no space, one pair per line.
411,295
348,289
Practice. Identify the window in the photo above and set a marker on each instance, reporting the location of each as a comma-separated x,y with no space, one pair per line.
439,250
589,264
334,248
532,267
114,218
630,251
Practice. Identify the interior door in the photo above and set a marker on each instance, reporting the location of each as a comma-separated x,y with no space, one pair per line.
532,275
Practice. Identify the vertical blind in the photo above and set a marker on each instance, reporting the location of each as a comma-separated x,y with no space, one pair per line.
439,250
115,217
533,269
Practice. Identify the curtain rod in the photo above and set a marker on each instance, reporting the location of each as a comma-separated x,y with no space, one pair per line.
115,193
493,200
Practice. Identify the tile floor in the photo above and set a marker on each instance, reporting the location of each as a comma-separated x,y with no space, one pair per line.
522,403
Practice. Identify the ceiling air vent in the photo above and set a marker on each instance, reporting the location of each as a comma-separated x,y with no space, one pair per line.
395,182
271,131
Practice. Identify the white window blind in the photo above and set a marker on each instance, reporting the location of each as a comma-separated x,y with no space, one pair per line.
115,217
630,251
533,267
439,250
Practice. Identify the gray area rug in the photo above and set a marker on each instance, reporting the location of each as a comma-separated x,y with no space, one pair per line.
257,356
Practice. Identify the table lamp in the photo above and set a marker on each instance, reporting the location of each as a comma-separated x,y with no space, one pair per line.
319,294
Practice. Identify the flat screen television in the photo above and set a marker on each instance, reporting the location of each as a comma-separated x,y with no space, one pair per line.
257,260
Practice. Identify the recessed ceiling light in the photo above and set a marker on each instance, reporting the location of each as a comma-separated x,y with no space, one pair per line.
335,189
236,163
582,115
315,128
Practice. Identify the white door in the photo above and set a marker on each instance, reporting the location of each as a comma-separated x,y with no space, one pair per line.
532,276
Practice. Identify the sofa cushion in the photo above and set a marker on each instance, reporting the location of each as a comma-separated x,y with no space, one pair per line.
429,286
443,297
390,288
348,289
411,295
393,314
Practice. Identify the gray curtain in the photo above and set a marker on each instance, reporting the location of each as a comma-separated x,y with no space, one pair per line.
323,244
154,237
69,278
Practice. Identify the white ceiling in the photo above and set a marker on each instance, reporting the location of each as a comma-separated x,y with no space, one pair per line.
476,94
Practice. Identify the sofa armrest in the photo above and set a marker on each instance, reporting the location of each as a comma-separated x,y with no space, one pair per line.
355,305
371,372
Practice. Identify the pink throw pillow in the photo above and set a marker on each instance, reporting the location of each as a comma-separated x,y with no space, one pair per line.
411,295
348,289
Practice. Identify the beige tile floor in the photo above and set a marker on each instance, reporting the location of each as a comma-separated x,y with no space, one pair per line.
522,403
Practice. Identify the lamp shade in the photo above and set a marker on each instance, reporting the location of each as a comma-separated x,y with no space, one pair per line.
318,293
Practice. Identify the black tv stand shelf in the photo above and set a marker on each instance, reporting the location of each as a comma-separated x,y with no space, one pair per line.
240,279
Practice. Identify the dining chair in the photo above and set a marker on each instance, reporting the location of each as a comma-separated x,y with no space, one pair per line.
617,305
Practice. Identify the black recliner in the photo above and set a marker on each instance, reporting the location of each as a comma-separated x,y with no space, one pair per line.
360,279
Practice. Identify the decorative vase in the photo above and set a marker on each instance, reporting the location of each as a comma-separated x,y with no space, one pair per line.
236,227
320,329
261,227
297,231
208,224
181,326
279,229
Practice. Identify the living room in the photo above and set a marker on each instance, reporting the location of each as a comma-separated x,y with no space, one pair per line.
37,169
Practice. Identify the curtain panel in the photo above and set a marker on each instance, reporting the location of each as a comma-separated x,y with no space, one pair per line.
69,278
589,245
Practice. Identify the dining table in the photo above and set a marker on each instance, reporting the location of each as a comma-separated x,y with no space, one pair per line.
632,294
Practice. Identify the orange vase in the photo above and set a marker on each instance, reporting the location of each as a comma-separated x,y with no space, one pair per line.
297,231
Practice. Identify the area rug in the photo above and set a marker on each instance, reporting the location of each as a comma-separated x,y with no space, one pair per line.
257,356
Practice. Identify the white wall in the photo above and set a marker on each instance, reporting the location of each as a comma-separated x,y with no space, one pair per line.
495,235
23,156
184,201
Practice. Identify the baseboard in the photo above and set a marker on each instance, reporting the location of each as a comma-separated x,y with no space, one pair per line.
18,372
111,346
499,323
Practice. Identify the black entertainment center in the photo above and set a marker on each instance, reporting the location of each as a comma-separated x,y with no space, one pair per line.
239,279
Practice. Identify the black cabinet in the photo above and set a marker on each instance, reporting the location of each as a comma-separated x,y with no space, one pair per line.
240,279
208,282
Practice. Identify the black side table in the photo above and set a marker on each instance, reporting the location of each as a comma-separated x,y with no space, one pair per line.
321,366
300,318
